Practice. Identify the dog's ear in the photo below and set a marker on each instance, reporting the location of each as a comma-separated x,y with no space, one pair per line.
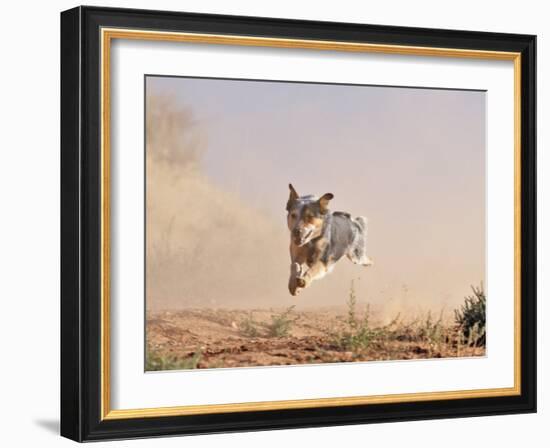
293,196
323,202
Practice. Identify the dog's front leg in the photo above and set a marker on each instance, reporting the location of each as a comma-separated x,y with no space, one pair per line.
295,280
316,271
298,267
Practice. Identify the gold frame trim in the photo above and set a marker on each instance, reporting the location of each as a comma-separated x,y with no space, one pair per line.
107,35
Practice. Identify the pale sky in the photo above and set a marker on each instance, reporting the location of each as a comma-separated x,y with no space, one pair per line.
411,160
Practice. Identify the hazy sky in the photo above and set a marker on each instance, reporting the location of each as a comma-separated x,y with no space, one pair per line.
411,160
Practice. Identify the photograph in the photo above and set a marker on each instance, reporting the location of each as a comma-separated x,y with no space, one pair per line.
291,223
281,222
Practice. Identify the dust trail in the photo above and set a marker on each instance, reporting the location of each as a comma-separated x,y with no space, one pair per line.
205,247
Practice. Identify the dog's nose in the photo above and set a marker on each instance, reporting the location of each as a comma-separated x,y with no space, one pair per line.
296,232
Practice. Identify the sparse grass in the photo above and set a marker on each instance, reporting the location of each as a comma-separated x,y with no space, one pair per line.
155,361
352,304
286,336
424,333
280,324
431,331
279,327
471,317
358,334
249,327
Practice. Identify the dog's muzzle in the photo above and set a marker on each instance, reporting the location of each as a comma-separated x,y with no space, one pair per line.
301,236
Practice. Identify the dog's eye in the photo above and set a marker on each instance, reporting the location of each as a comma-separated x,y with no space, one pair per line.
293,215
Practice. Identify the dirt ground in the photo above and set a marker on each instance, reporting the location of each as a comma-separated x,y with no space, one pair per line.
215,338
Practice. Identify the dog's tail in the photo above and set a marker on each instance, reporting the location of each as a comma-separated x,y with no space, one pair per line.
362,222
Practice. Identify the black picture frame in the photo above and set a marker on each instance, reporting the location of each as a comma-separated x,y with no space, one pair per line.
81,224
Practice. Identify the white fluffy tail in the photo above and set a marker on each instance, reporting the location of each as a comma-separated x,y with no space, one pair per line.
361,222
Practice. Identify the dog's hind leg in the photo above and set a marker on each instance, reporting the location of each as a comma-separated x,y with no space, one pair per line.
359,256
357,252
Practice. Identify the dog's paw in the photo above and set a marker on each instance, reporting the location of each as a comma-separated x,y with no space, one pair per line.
296,282
296,270
294,289
368,262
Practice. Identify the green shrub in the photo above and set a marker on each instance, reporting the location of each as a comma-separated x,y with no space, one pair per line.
471,317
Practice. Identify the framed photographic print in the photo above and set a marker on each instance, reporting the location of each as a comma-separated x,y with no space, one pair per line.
272,223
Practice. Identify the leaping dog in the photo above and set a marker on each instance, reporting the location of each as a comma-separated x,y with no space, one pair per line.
319,238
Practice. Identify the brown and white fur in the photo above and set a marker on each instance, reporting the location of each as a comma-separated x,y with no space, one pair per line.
319,238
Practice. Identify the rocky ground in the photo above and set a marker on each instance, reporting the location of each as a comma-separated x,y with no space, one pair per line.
215,338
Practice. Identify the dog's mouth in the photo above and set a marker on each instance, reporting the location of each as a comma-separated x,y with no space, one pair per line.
304,238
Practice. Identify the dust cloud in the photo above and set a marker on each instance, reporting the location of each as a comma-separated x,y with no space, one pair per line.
204,246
